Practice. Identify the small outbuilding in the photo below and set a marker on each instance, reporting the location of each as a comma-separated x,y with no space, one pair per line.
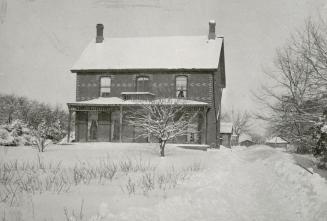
246,140
277,142
226,131
247,143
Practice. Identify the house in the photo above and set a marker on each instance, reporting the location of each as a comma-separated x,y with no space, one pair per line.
246,140
226,131
277,142
114,74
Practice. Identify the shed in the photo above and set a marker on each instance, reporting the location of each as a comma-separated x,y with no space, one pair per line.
277,142
226,131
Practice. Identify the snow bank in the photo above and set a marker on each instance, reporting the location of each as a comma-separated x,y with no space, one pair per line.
255,184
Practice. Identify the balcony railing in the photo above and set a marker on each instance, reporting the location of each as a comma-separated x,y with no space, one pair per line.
137,96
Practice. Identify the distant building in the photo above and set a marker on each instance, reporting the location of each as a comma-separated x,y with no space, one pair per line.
234,140
114,74
226,131
246,140
246,143
277,142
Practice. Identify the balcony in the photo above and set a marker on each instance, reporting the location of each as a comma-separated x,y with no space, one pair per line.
137,96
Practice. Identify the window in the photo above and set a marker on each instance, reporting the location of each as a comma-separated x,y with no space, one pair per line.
142,84
105,83
181,86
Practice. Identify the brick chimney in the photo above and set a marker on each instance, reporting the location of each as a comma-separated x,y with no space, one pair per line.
212,30
99,37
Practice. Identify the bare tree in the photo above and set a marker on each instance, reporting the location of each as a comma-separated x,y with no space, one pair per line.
8,107
241,122
225,116
163,119
295,96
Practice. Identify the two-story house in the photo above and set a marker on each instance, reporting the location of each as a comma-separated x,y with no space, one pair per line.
114,74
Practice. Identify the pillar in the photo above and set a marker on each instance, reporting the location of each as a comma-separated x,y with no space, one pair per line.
205,127
68,129
121,123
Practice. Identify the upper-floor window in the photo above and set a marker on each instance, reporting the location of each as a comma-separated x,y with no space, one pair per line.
105,83
142,84
181,86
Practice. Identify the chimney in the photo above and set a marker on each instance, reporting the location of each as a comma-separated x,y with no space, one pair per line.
212,30
99,38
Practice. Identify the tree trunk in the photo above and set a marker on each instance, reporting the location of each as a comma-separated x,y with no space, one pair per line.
9,118
162,148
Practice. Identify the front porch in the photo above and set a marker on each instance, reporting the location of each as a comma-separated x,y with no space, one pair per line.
104,120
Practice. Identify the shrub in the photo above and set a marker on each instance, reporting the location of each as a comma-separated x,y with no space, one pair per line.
320,149
6,139
14,134
45,131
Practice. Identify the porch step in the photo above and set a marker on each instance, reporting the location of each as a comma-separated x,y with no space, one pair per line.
202,147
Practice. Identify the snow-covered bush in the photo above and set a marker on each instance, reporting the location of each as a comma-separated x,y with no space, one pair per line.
320,150
7,139
14,134
47,131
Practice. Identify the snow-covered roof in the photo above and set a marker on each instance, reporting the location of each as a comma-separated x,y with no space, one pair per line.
226,127
170,52
137,93
111,101
245,137
276,140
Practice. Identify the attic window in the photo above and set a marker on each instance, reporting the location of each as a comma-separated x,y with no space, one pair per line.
181,86
105,83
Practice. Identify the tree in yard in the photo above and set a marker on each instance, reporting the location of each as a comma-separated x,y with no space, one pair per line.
162,119
295,97
241,122
47,130
320,149
8,107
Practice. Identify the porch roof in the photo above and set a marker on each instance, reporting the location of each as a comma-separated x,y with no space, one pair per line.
116,101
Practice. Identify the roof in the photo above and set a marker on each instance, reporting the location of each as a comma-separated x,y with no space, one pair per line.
226,127
276,140
137,93
245,137
112,101
170,52
246,140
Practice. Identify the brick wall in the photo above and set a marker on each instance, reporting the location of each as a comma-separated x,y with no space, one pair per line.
162,84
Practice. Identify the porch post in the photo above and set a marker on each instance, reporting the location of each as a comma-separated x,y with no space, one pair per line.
68,129
121,123
205,125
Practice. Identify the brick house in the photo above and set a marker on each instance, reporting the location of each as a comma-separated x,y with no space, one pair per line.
113,74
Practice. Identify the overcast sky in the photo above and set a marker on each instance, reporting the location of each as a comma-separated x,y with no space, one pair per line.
41,39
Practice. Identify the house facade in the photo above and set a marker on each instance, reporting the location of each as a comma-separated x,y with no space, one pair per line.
116,74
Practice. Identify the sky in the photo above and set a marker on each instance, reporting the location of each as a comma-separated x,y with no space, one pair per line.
41,39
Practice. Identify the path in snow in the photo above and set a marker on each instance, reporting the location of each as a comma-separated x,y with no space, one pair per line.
258,183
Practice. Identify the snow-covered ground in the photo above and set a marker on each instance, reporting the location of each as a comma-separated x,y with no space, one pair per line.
257,183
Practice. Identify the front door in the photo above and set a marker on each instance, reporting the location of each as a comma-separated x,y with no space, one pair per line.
104,126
